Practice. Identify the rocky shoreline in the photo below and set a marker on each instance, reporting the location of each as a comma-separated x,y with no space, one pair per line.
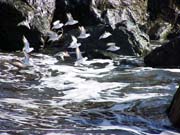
133,24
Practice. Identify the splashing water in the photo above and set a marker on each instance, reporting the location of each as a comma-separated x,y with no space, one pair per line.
101,97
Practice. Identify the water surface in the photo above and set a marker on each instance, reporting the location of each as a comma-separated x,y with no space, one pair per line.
101,97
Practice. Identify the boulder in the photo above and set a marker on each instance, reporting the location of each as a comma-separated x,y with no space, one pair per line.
174,110
13,12
166,56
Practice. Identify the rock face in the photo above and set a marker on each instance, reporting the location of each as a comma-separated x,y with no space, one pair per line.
13,12
163,25
167,55
174,110
123,19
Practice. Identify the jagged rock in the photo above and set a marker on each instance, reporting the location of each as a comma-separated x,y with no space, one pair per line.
174,110
161,16
167,55
14,11
122,18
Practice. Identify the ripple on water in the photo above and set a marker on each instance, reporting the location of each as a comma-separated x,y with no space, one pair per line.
101,97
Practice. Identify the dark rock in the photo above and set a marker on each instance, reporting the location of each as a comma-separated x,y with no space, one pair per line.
13,12
161,16
121,18
174,110
167,55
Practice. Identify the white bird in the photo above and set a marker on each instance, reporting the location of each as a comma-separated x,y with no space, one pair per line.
105,35
79,58
74,43
27,47
83,33
57,25
24,23
112,47
26,59
53,36
62,55
70,21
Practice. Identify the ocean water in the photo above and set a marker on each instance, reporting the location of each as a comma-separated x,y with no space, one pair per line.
100,97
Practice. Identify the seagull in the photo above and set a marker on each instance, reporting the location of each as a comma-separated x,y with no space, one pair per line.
79,58
74,43
20,64
24,23
57,25
112,47
26,59
53,36
83,33
70,21
105,35
27,47
62,55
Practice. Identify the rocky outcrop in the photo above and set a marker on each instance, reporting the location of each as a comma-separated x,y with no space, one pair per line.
13,12
164,20
124,19
174,110
167,55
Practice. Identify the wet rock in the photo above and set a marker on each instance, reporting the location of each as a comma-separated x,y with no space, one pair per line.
167,55
161,16
174,110
121,18
13,12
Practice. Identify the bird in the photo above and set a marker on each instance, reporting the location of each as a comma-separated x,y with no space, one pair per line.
20,64
57,25
79,58
62,55
70,21
27,47
26,59
74,43
83,33
53,36
112,47
105,35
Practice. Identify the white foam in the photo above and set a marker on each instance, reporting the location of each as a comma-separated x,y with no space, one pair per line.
22,102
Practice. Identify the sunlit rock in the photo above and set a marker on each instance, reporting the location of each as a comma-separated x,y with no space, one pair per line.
12,12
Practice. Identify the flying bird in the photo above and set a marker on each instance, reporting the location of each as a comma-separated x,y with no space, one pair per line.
79,58
74,43
27,47
70,21
57,25
53,36
105,35
62,55
83,33
112,47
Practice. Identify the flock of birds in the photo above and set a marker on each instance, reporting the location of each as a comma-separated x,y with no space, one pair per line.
53,35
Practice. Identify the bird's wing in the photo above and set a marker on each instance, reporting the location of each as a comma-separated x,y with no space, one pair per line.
56,22
69,16
78,54
26,43
74,39
83,30
111,44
